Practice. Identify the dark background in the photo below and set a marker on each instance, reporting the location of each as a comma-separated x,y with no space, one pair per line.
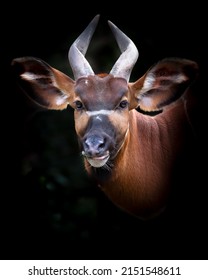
49,207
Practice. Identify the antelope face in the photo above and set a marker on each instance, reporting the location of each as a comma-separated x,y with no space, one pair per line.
101,117
101,101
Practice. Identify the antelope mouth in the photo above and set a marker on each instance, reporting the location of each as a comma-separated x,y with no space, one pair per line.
97,161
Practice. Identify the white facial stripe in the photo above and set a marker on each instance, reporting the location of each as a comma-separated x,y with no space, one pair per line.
100,112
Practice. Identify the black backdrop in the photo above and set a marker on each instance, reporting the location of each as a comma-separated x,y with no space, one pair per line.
49,208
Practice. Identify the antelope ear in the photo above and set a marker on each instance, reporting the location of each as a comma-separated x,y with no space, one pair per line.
45,85
164,83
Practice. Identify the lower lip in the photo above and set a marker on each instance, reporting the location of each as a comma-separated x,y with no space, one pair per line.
98,161
100,158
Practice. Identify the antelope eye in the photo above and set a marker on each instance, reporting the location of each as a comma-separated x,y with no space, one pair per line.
123,104
78,104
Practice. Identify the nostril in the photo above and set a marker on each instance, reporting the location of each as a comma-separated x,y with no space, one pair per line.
94,141
94,145
101,145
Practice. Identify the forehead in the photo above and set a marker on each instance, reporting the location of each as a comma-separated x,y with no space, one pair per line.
104,92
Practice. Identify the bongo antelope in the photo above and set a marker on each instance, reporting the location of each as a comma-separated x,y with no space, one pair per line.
129,133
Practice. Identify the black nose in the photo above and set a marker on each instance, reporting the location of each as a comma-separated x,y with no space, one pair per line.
94,145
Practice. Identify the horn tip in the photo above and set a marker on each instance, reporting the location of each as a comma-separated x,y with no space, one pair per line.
96,18
113,27
110,23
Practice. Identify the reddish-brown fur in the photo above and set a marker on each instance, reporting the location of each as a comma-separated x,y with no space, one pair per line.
144,169
144,150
